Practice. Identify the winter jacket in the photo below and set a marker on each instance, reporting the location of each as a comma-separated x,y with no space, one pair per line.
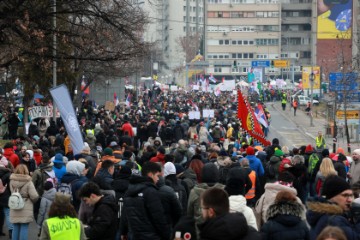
268,198
194,208
256,165
31,165
46,201
170,203
182,155
60,170
40,175
180,189
158,158
91,140
26,188
120,185
284,222
143,213
231,226
322,213
354,172
76,182
5,178
104,179
11,156
238,204
101,223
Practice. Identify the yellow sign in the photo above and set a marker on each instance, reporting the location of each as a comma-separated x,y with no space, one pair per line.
350,114
306,72
155,77
281,63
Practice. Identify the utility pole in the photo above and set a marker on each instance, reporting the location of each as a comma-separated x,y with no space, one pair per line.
54,56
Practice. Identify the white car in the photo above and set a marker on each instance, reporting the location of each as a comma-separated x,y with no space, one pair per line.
303,100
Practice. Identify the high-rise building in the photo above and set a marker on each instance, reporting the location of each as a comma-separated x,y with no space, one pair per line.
171,21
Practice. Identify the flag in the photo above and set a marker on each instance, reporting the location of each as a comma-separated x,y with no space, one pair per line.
260,115
128,100
248,120
194,105
63,102
83,89
223,80
212,78
116,99
217,91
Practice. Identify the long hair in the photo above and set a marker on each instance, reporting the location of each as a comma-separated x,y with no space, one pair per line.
196,165
21,169
327,167
332,233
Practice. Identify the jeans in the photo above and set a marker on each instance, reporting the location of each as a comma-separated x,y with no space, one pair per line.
20,231
7,218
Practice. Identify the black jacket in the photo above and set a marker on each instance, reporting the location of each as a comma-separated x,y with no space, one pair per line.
104,179
143,213
76,182
284,222
120,185
4,197
170,203
231,226
101,223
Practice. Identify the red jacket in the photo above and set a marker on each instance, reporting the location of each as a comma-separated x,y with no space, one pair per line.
126,127
159,158
11,156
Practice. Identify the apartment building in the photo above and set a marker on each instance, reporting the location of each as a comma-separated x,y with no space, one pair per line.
171,20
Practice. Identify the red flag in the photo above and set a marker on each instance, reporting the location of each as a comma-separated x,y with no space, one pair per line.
83,89
248,120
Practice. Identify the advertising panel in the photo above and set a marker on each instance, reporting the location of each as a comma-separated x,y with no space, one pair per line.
306,77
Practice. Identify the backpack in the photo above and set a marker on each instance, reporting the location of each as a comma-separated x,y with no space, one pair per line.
16,201
2,186
66,188
180,192
223,172
313,159
270,170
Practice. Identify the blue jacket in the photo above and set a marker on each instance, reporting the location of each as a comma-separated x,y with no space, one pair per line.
60,170
256,165
322,213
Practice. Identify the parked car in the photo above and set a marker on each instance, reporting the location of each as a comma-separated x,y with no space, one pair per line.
303,100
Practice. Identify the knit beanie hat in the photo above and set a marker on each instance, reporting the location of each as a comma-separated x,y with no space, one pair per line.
169,168
325,152
250,151
309,149
334,185
235,186
185,229
179,168
108,151
75,167
278,153
48,185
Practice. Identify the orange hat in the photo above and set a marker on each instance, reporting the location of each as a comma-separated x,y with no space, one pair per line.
340,150
259,148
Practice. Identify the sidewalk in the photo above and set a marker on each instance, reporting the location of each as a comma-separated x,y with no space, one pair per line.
320,124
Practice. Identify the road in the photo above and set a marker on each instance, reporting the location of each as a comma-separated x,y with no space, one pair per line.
283,128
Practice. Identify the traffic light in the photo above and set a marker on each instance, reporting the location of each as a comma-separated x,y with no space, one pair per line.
234,64
272,63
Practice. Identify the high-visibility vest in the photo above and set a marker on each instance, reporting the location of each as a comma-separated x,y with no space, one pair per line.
90,131
320,142
251,193
64,228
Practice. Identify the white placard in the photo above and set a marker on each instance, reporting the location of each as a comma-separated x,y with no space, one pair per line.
196,87
173,88
41,112
194,115
208,113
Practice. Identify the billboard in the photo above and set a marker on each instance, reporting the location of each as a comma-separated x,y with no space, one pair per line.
334,19
306,77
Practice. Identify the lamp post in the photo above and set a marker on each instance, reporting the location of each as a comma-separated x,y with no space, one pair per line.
311,78
54,56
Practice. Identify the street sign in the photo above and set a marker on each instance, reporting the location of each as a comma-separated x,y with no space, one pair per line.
260,63
350,114
338,77
351,97
343,87
281,63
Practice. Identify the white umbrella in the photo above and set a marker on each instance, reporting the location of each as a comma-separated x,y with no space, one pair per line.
242,83
129,87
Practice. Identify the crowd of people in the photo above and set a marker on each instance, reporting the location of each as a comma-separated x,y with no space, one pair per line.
153,173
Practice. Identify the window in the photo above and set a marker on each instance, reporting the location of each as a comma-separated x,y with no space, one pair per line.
239,55
184,8
227,42
221,42
239,42
217,69
233,42
251,42
245,42
233,55
221,56
245,55
184,18
251,55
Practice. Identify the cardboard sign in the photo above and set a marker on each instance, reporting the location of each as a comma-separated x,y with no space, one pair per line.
110,106
41,112
209,113
194,115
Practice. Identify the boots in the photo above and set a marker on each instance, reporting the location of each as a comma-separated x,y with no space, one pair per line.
10,234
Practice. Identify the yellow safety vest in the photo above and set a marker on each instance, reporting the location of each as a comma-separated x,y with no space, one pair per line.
90,131
320,142
251,193
64,228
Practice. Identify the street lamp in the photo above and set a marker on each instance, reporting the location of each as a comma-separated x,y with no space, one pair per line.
311,78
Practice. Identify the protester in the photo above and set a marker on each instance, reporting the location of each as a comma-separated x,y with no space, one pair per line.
20,181
62,213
